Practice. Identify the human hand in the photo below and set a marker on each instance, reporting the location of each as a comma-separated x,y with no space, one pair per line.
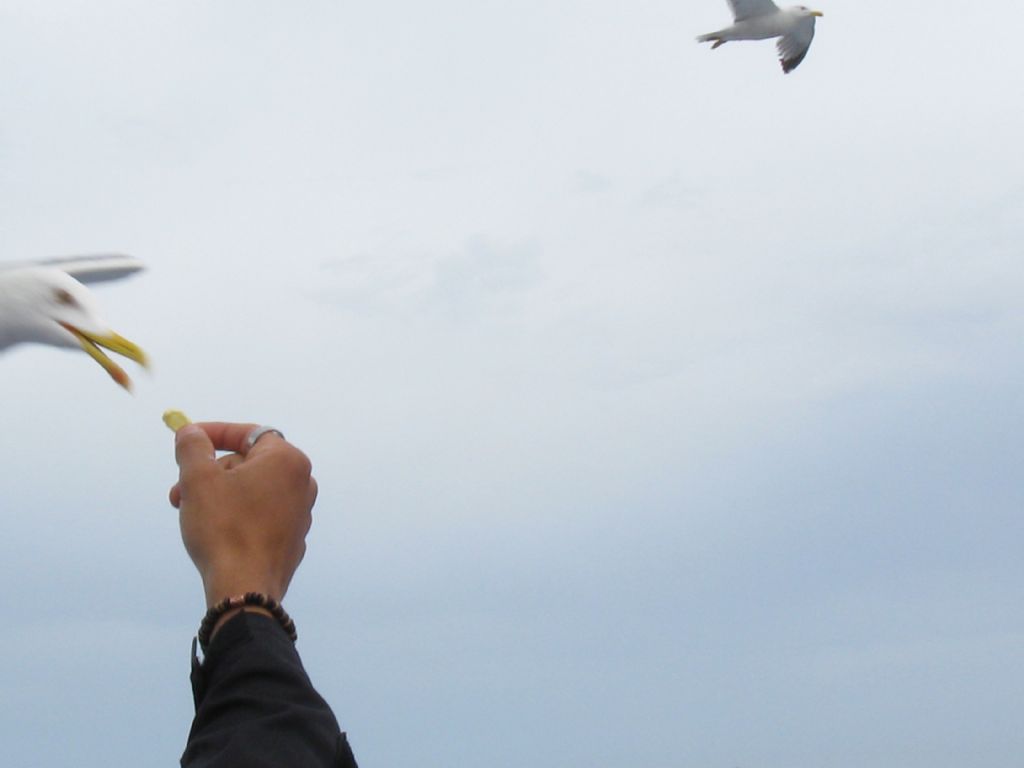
244,516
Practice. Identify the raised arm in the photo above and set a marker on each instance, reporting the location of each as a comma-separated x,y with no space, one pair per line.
244,519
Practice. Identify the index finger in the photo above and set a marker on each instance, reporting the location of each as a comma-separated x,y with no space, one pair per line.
227,436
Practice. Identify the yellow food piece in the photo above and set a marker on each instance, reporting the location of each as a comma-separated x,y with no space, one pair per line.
175,420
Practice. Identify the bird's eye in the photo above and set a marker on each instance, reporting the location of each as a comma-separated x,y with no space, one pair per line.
64,297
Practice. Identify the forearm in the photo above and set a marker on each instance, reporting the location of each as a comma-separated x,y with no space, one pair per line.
255,705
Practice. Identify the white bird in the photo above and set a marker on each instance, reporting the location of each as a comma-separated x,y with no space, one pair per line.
45,302
762,19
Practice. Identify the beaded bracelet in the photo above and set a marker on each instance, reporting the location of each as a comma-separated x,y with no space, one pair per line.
257,599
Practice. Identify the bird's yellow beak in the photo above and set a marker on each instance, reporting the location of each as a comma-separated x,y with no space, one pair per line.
817,13
92,343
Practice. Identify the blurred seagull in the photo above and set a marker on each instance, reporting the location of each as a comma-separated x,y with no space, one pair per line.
761,19
46,302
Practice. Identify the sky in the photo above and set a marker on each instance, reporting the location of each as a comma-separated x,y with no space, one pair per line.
665,408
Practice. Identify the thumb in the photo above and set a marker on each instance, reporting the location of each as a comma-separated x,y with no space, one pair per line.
193,450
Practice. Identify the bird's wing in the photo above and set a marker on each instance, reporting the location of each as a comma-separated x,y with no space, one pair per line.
95,268
794,45
748,9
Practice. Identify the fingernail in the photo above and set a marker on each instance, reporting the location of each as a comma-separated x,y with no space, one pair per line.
188,429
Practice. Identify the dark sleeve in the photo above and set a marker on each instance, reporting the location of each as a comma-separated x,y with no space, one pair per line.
255,705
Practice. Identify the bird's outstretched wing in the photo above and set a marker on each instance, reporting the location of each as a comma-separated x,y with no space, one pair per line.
95,268
748,9
794,46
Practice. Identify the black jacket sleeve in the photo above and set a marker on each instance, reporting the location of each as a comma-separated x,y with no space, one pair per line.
255,705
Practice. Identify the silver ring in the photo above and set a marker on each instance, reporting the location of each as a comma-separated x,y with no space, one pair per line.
259,432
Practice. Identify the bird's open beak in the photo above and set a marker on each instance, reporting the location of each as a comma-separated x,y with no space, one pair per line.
92,343
817,13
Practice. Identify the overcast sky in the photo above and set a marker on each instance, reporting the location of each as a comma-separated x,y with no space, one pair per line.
665,408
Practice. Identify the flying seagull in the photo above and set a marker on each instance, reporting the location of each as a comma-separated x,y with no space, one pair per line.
46,302
762,19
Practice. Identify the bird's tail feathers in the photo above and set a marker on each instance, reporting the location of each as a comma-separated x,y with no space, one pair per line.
711,37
